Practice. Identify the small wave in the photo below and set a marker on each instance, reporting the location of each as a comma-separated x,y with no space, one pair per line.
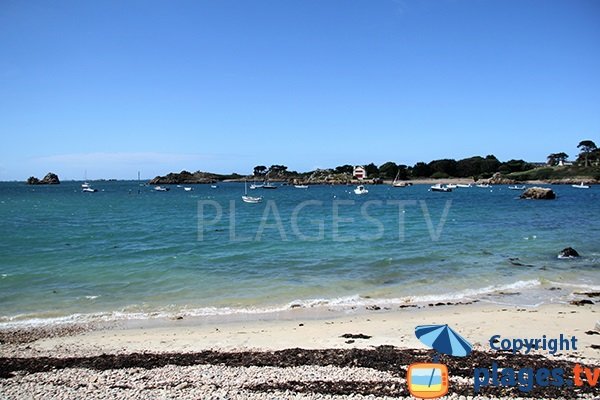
92,297
338,303
583,286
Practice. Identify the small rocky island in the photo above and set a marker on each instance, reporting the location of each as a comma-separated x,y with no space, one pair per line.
49,179
185,177
538,193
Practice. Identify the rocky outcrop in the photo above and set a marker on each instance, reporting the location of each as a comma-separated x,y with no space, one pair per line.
49,179
185,177
569,252
538,193
499,179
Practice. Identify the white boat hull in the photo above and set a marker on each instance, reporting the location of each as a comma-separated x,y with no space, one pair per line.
251,199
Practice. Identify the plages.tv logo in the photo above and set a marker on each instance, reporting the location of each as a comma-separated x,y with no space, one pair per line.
431,380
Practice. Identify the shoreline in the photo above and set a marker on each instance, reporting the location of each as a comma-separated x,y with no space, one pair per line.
306,329
363,355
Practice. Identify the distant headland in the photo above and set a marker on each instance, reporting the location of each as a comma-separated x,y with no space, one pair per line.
489,169
556,170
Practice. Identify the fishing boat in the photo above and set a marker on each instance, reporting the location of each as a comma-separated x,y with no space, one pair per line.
360,189
439,188
581,186
161,189
516,187
249,199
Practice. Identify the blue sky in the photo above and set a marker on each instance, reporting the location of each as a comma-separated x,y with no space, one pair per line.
113,87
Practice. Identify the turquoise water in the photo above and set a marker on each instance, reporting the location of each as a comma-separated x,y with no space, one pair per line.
67,255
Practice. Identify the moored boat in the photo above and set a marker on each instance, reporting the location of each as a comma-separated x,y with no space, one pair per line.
360,189
581,186
440,188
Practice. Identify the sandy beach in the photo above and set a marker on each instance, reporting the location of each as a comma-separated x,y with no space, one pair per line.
296,354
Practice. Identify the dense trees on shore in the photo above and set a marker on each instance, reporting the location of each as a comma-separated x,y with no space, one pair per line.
476,167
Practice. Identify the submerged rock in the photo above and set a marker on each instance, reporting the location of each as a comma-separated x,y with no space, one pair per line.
569,252
538,193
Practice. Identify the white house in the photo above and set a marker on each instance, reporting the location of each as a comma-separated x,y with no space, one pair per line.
359,172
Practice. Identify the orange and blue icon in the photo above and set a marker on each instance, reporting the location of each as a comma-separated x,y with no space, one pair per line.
430,380
427,380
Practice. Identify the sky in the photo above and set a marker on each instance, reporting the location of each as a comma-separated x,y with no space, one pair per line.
108,88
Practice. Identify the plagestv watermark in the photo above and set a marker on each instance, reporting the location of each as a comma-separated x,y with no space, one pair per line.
327,225
526,378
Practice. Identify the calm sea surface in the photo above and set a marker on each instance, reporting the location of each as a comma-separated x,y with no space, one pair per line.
131,252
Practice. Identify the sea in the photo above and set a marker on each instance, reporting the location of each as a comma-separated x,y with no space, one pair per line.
129,252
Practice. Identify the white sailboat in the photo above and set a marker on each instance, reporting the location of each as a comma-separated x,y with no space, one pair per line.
399,183
249,199
581,186
85,186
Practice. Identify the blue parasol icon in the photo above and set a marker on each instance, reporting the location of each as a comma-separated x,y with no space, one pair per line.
443,339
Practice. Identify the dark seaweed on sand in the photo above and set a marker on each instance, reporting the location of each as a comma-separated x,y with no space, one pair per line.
382,358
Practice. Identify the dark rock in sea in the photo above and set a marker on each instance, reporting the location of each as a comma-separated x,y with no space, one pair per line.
592,333
373,308
407,306
49,179
581,302
569,252
185,177
538,193
588,294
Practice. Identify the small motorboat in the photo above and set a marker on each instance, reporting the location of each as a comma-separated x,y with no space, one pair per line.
89,189
581,186
360,189
213,186
301,186
188,188
516,187
161,189
451,186
251,199
462,185
268,185
439,188
483,185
